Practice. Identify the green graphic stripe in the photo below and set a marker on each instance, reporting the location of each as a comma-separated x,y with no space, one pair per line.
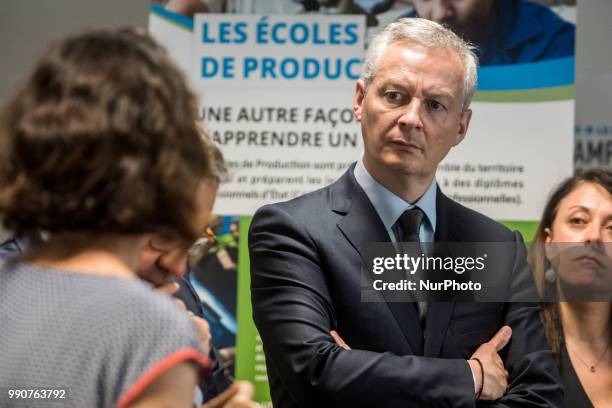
560,93
249,360
526,228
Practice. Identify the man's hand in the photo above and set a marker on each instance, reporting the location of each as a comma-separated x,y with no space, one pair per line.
237,396
203,330
201,325
495,375
339,341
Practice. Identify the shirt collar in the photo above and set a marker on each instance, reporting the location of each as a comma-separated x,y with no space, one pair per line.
388,205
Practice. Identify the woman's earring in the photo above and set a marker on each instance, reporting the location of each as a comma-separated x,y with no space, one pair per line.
550,275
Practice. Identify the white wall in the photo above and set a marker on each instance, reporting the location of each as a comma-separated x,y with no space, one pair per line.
594,81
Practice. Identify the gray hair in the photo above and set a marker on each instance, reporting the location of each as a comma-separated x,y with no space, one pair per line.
428,34
217,162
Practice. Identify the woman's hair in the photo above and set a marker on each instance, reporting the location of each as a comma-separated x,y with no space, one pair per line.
102,137
550,311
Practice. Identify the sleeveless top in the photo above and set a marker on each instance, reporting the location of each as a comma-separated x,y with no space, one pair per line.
575,395
102,339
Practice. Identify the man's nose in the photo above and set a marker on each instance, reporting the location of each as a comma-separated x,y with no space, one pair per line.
174,261
442,11
411,115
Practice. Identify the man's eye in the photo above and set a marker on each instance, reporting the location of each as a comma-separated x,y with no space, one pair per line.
435,105
393,96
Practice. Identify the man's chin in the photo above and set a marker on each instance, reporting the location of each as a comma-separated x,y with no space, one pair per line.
154,278
149,281
408,166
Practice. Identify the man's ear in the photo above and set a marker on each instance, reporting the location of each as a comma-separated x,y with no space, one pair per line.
358,98
464,123
175,260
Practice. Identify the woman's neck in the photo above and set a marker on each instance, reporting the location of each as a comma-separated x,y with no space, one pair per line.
102,254
587,322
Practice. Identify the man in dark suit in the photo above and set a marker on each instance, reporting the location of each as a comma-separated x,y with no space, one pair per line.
306,257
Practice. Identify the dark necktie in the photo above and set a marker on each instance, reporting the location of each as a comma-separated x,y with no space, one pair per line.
410,224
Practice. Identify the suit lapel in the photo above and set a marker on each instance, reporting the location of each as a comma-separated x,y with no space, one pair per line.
361,226
439,313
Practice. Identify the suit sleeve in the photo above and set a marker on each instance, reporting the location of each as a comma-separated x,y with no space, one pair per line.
294,313
219,380
534,377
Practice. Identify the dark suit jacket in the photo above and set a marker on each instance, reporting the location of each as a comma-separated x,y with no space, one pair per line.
306,256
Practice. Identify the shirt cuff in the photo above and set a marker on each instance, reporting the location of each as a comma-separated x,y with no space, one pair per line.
473,377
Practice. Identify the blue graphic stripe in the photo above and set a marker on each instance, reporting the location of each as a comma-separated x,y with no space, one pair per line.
179,19
544,74
225,317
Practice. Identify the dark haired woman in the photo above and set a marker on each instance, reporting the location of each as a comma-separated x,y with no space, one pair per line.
99,149
571,257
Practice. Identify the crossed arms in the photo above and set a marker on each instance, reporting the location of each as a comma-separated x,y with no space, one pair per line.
295,308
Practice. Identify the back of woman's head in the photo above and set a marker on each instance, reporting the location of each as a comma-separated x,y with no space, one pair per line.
102,138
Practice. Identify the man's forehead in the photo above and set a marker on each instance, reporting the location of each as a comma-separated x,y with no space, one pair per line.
436,67
431,87
409,51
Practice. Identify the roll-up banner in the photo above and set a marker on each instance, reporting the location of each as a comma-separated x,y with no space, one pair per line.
276,82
